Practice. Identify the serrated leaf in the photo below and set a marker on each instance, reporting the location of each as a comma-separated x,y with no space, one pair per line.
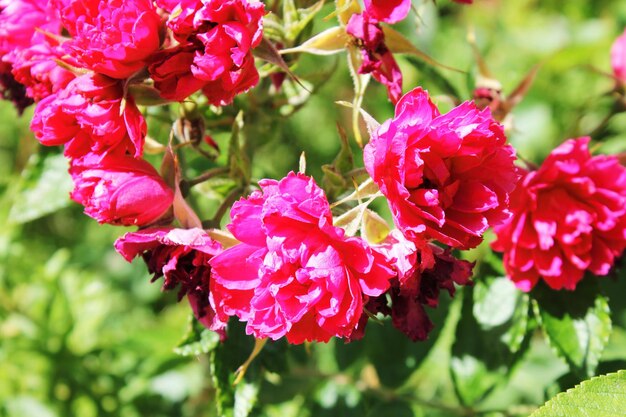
577,323
198,340
44,188
329,42
603,396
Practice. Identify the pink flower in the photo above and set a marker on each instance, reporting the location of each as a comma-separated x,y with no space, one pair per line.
377,58
215,52
421,273
24,51
388,11
111,37
569,217
23,23
618,57
36,68
446,177
181,257
120,190
294,274
171,71
90,115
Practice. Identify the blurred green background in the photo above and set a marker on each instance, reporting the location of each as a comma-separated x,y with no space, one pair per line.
83,333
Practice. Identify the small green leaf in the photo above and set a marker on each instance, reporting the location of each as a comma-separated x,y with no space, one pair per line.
44,188
198,340
603,396
577,324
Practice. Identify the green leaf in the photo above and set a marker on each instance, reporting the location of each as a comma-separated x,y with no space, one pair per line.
234,400
577,324
198,340
497,302
44,189
603,396
394,355
246,396
490,337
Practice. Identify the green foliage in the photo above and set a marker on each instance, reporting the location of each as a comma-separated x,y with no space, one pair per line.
85,334
603,396
489,338
577,324
43,188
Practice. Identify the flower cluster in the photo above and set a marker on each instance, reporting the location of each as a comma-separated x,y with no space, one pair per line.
287,267
84,83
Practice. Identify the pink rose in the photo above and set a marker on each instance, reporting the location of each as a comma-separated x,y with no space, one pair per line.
23,21
181,257
569,216
111,37
87,116
294,274
618,57
377,58
22,27
446,177
388,11
36,68
120,190
215,52
171,71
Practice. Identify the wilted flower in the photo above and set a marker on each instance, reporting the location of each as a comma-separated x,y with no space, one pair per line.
422,271
569,216
446,177
90,115
294,274
120,190
181,257
377,58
